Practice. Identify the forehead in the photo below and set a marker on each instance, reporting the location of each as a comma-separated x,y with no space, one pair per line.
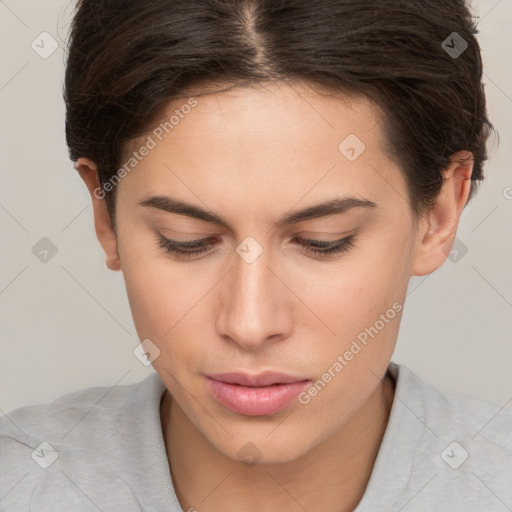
263,141
291,112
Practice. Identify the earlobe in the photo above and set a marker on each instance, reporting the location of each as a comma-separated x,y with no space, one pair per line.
88,171
438,228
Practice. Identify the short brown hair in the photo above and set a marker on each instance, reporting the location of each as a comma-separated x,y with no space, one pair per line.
128,59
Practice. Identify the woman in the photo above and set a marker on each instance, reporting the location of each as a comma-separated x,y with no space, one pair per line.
268,175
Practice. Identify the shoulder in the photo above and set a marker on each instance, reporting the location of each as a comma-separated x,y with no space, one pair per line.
73,438
58,419
461,446
443,411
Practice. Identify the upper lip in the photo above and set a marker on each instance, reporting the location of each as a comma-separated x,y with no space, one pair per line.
261,379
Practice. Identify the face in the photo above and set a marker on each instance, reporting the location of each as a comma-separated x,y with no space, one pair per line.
258,288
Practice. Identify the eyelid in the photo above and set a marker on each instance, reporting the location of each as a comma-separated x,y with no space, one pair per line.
211,239
324,235
184,233
324,249
196,241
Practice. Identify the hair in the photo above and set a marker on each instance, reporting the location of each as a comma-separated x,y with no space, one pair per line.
128,60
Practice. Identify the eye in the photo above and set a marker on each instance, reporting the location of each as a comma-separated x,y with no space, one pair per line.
192,248
327,247
185,249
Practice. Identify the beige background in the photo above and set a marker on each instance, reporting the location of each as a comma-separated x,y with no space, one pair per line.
66,324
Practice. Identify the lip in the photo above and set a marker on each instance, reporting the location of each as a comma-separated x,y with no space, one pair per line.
262,379
255,395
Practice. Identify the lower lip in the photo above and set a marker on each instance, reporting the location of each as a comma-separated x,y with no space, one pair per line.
255,401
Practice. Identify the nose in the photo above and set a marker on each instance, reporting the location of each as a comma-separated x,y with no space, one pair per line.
255,304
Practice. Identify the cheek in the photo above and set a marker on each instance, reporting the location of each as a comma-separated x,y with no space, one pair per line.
160,301
159,290
351,295
363,307
167,302
362,302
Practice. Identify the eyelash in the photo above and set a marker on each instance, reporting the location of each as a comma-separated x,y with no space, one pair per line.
311,246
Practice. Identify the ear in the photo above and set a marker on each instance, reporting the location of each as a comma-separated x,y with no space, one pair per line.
88,171
437,229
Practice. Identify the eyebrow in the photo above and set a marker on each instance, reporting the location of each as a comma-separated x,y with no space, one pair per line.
334,206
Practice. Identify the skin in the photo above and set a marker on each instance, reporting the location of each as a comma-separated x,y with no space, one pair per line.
251,156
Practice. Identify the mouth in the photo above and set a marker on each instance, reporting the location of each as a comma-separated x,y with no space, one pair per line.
259,380
255,395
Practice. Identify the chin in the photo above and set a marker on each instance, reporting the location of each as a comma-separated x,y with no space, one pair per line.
263,449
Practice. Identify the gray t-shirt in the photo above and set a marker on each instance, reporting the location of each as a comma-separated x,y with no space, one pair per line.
105,452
